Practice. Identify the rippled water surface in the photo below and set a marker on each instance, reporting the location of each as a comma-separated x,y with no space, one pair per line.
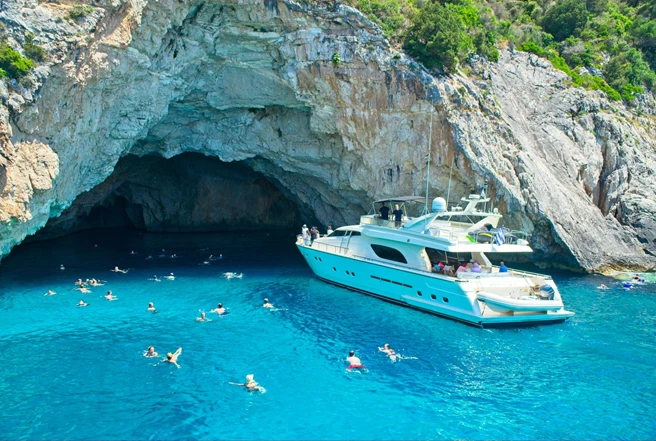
78,373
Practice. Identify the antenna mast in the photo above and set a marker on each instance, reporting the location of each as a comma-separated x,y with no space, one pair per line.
430,138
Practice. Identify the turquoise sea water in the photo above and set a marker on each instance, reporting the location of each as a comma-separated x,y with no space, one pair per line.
78,373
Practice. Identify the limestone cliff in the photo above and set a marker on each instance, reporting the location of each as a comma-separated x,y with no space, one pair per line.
257,82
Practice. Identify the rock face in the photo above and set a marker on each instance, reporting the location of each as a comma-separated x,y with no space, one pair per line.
255,81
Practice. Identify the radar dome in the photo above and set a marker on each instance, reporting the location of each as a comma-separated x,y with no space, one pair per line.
439,205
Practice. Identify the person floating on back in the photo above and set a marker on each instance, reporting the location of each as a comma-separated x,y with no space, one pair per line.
391,353
251,385
118,270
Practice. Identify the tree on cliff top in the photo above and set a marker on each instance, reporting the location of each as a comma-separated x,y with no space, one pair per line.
438,36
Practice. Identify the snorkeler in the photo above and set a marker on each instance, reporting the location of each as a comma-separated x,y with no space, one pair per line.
81,303
173,358
354,362
202,318
391,353
151,308
150,352
110,296
251,385
117,270
219,309
170,277
267,304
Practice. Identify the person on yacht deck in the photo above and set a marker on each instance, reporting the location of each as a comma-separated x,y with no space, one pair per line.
398,216
329,231
502,267
305,233
476,268
384,212
462,268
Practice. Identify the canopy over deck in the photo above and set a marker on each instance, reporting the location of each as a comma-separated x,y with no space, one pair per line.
402,199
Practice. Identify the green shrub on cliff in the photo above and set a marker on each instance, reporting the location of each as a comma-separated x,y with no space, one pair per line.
79,11
32,50
12,63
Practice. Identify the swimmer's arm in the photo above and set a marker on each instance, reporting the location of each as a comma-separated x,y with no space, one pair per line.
178,352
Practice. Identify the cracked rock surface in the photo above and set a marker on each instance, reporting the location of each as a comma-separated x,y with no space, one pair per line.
255,82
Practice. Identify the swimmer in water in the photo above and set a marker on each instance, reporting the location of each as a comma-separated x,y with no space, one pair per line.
81,303
94,282
251,385
354,362
205,262
79,282
150,352
173,358
83,289
50,293
602,286
110,296
151,307
267,304
155,279
170,277
132,252
61,267
219,309
391,353
149,257
202,318
117,270
174,256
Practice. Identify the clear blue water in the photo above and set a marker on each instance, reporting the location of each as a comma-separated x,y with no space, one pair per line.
78,373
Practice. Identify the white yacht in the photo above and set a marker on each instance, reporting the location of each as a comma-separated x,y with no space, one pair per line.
401,261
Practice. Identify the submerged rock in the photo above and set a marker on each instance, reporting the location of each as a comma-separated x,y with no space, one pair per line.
259,82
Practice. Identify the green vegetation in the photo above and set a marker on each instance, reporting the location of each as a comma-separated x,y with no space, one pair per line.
12,63
79,11
616,38
33,51
337,60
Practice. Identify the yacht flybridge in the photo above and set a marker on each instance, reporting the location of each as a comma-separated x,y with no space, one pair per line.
437,262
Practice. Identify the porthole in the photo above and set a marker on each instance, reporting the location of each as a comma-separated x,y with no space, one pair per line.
320,259
433,296
419,293
334,269
315,257
347,273
445,300
353,274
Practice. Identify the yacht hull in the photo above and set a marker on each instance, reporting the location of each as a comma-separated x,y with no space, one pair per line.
444,296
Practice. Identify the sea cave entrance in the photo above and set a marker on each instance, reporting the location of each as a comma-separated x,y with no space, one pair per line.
190,192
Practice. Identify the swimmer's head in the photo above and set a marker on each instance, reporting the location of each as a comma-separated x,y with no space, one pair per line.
150,304
171,273
151,348
109,292
351,354
249,378
169,356
386,345
266,300
220,305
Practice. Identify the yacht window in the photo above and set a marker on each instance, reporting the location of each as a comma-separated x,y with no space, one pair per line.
355,233
338,233
388,253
